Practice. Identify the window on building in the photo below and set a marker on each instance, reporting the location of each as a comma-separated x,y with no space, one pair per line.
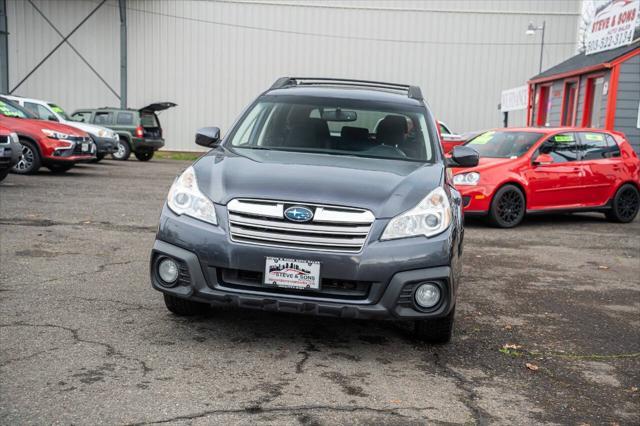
103,118
124,118
542,106
569,100
593,103
561,147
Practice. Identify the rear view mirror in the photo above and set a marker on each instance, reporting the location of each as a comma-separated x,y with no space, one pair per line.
463,156
52,118
208,137
542,160
339,115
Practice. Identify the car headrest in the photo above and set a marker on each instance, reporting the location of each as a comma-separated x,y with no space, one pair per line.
391,130
354,133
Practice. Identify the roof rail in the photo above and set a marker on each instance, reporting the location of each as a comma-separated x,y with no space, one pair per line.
412,92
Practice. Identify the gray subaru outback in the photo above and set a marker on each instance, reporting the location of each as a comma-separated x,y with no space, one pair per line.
327,197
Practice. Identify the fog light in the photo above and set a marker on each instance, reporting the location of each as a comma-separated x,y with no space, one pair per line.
427,295
168,270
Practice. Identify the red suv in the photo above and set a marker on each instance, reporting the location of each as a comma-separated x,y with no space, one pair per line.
534,170
44,143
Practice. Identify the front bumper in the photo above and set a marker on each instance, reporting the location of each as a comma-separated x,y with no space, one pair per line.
476,199
10,154
105,145
391,269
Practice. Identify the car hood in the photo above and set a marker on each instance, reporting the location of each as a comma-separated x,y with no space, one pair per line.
89,128
385,187
36,126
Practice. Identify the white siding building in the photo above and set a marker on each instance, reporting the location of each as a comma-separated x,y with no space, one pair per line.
213,57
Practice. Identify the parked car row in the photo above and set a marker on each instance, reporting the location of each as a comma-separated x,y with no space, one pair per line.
48,137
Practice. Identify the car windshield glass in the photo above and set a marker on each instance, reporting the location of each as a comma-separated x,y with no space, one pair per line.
503,144
336,127
11,110
55,108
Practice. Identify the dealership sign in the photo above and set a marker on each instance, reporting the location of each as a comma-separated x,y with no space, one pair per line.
514,99
613,26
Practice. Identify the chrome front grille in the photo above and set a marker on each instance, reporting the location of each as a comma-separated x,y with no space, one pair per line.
332,228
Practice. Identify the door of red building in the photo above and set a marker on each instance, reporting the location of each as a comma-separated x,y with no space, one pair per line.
569,101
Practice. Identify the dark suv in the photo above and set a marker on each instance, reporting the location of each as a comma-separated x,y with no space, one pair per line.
327,197
139,130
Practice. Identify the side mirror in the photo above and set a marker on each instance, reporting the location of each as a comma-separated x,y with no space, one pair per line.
463,156
542,160
52,118
208,137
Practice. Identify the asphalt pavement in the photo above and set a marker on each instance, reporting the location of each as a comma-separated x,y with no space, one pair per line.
547,328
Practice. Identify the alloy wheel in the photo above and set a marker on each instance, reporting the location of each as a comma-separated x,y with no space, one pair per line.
510,207
121,152
628,203
26,160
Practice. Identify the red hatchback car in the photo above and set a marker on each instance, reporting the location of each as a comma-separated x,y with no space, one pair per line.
534,170
45,143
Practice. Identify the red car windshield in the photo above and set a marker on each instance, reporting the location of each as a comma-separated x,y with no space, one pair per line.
495,144
12,110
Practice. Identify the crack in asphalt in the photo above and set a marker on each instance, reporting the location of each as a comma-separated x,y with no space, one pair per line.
110,349
309,347
134,306
18,221
101,268
293,409
480,416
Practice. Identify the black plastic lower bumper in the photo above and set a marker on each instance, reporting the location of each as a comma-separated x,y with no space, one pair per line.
395,301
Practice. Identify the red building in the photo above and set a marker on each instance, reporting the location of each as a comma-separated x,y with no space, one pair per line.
601,90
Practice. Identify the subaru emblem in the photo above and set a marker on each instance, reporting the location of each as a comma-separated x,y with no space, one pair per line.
298,214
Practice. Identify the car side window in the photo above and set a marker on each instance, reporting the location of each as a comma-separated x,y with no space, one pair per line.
124,118
561,147
103,118
32,108
612,146
82,116
593,146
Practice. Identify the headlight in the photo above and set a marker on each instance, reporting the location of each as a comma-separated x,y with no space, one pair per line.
430,217
103,133
14,137
185,198
471,178
55,135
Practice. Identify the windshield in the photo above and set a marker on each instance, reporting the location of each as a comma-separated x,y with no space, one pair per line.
12,110
55,108
337,128
503,144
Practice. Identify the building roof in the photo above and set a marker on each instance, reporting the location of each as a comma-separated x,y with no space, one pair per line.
582,61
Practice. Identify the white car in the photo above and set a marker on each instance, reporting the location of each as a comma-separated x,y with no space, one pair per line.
106,140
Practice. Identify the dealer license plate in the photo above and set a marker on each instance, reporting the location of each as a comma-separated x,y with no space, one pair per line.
292,273
85,147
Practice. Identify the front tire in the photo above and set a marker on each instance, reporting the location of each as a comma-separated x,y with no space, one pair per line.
144,155
507,207
30,161
626,204
184,307
123,150
437,330
59,168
